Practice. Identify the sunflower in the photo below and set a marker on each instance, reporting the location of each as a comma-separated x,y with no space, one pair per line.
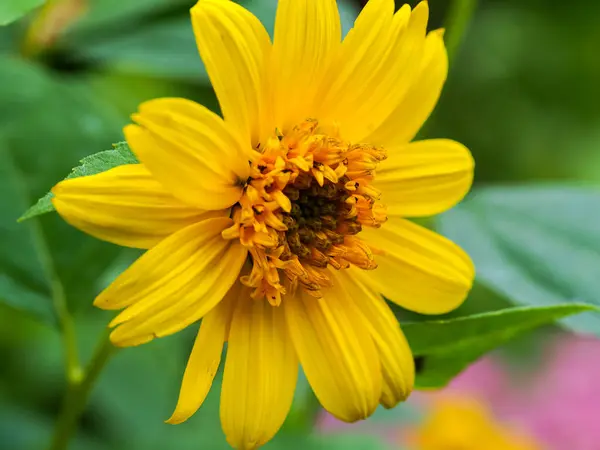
270,224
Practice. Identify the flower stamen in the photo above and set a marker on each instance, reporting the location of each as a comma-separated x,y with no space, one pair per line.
307,199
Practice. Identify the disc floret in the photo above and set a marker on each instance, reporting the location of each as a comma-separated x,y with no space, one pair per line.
307,198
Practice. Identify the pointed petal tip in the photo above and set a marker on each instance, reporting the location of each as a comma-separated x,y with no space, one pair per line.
113,338
135,117
98,302
422,8
176,419
234,46
118,339
118,320
102,302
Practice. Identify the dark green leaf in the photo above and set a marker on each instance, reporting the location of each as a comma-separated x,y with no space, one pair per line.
11,10
443,348
125,92
21,297
481,299
23,279
164,49
46,125
535,245
90,165
168,49
124,14
21,428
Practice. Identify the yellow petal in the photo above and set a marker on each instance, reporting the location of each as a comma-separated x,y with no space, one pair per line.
424,177
409,116
362,48
307,37
125,206
173,284
417,268
380,59
234,47
397,363
336,351
205,357
260,374
190,151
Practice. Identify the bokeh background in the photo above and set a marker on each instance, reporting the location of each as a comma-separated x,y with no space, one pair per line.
522,94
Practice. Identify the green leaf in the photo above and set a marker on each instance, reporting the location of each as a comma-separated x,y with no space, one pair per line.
23,279
443,348
163,49
535,245
22,428
46,124
167,48
481,299
11,10
125,92
124,14
90,165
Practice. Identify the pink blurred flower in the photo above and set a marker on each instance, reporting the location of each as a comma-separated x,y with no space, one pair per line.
563,407
558,403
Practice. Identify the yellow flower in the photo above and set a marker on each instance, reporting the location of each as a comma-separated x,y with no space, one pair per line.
464,423
270,224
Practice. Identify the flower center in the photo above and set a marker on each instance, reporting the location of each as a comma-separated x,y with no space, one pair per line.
308,196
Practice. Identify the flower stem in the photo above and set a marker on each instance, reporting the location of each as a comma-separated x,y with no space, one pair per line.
457,21
73,369
77,395
59,300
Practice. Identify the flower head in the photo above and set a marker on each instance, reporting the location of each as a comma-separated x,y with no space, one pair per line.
465,423
281,224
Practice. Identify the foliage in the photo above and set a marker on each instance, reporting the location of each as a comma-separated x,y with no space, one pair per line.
11,10
535,244
90,165
443,348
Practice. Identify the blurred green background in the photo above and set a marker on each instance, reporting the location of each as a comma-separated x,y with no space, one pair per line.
522,94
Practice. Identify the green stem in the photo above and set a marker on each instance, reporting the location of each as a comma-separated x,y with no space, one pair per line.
59,301
77,395
457,20
73,369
